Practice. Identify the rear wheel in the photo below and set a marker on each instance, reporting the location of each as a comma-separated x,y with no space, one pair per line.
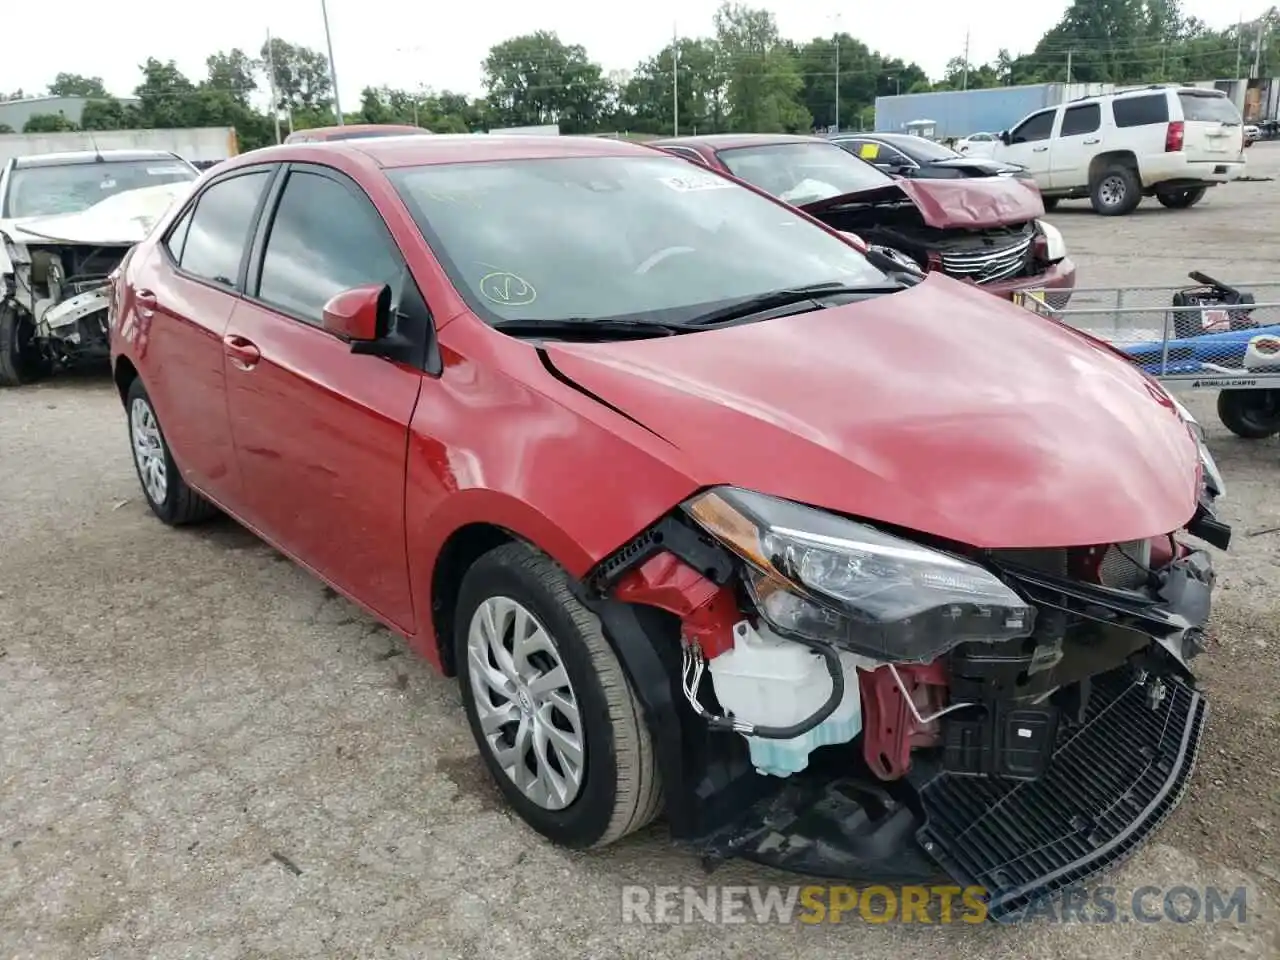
1251,414
167,493
556,721
1116,191
21,359
1181,199
1050,203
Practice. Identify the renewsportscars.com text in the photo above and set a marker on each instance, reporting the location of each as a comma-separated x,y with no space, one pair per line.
820,904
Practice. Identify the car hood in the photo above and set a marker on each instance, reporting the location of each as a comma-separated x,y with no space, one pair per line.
120,220
973,204
976,163
940,409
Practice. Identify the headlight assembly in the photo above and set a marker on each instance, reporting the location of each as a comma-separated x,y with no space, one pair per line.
820,576
1213,481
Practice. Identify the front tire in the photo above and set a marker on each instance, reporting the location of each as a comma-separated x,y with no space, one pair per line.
1050,203
551,710
167,493
1181,199
1250,414
21,359
1116,192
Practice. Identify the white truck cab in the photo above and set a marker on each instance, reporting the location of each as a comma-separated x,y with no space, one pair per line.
1172,143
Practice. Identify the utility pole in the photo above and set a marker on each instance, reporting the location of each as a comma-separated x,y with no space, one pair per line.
837,82
1239,42
333,72
964,84
1069,54
1257,51
675,82
271,80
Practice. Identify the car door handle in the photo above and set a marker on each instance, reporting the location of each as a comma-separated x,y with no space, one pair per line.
1092,140
144,302
1039,149
243,353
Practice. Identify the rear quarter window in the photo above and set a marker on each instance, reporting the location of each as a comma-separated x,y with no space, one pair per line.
1215,109
1140,111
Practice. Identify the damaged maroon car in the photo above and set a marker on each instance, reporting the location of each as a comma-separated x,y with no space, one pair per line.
842,567
988,231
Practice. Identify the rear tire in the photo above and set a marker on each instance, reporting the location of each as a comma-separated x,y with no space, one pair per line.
1050,203
1117,191
1181,199
167,493
555,719
21,359
1250,414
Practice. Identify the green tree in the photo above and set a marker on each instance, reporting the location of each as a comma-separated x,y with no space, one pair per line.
47,123
107,113
234,72
5,128
647,98
74,85
537,79
301,79
166,98
764,84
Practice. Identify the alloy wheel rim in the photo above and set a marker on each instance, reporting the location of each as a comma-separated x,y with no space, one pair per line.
1112,191
148,450
526,706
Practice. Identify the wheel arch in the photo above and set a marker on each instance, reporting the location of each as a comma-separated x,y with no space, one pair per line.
123,373
1110,158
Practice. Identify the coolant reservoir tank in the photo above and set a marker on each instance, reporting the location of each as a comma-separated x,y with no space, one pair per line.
767,680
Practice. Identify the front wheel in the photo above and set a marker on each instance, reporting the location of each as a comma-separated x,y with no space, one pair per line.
1050,203
1251,414
552,711
1181,199
21,359
167,493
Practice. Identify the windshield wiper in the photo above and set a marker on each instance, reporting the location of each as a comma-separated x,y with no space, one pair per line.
589,329
750,306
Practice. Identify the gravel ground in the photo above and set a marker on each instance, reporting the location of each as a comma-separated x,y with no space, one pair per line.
205,754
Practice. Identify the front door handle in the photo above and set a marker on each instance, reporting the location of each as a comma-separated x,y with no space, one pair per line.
1092,140
243,353
1039,149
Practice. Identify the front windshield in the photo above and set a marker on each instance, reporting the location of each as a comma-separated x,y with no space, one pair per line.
43,191
802,172
611,237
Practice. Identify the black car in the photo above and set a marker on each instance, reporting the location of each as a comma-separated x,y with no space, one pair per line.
904,155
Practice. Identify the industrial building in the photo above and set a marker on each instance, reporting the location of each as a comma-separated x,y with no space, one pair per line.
15,113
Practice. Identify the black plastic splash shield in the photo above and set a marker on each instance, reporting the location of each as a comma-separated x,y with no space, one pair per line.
1110,784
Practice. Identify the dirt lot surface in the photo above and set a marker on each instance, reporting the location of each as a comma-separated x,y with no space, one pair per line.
205,754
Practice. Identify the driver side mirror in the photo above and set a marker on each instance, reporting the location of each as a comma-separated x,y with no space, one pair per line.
1005,138
359,315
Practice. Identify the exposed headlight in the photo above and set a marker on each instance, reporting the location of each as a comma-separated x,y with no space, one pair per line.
1055,246
1212,475
823,577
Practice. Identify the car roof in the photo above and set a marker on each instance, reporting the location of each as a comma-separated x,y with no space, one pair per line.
68,158
412,150
724,141
905,139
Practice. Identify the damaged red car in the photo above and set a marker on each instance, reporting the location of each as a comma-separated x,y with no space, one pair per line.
988,231
715,516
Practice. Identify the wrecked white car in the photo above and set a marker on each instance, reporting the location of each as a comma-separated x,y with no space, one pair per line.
66,221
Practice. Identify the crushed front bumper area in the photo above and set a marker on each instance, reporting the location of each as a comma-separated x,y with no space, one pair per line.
1110,783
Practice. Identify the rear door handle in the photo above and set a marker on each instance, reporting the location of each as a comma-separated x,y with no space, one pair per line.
144,302
243,353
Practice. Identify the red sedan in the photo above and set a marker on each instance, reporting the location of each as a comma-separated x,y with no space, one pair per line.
711,513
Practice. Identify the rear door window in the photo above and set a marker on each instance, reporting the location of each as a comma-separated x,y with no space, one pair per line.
1140,111
1213,108
324,239
220,228
1085,118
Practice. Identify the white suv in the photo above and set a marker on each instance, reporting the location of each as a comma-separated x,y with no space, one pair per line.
1172,143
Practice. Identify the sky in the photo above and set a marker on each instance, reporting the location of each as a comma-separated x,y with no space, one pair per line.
441,46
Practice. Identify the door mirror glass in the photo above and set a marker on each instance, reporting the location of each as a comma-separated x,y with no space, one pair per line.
1004,137
361,314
